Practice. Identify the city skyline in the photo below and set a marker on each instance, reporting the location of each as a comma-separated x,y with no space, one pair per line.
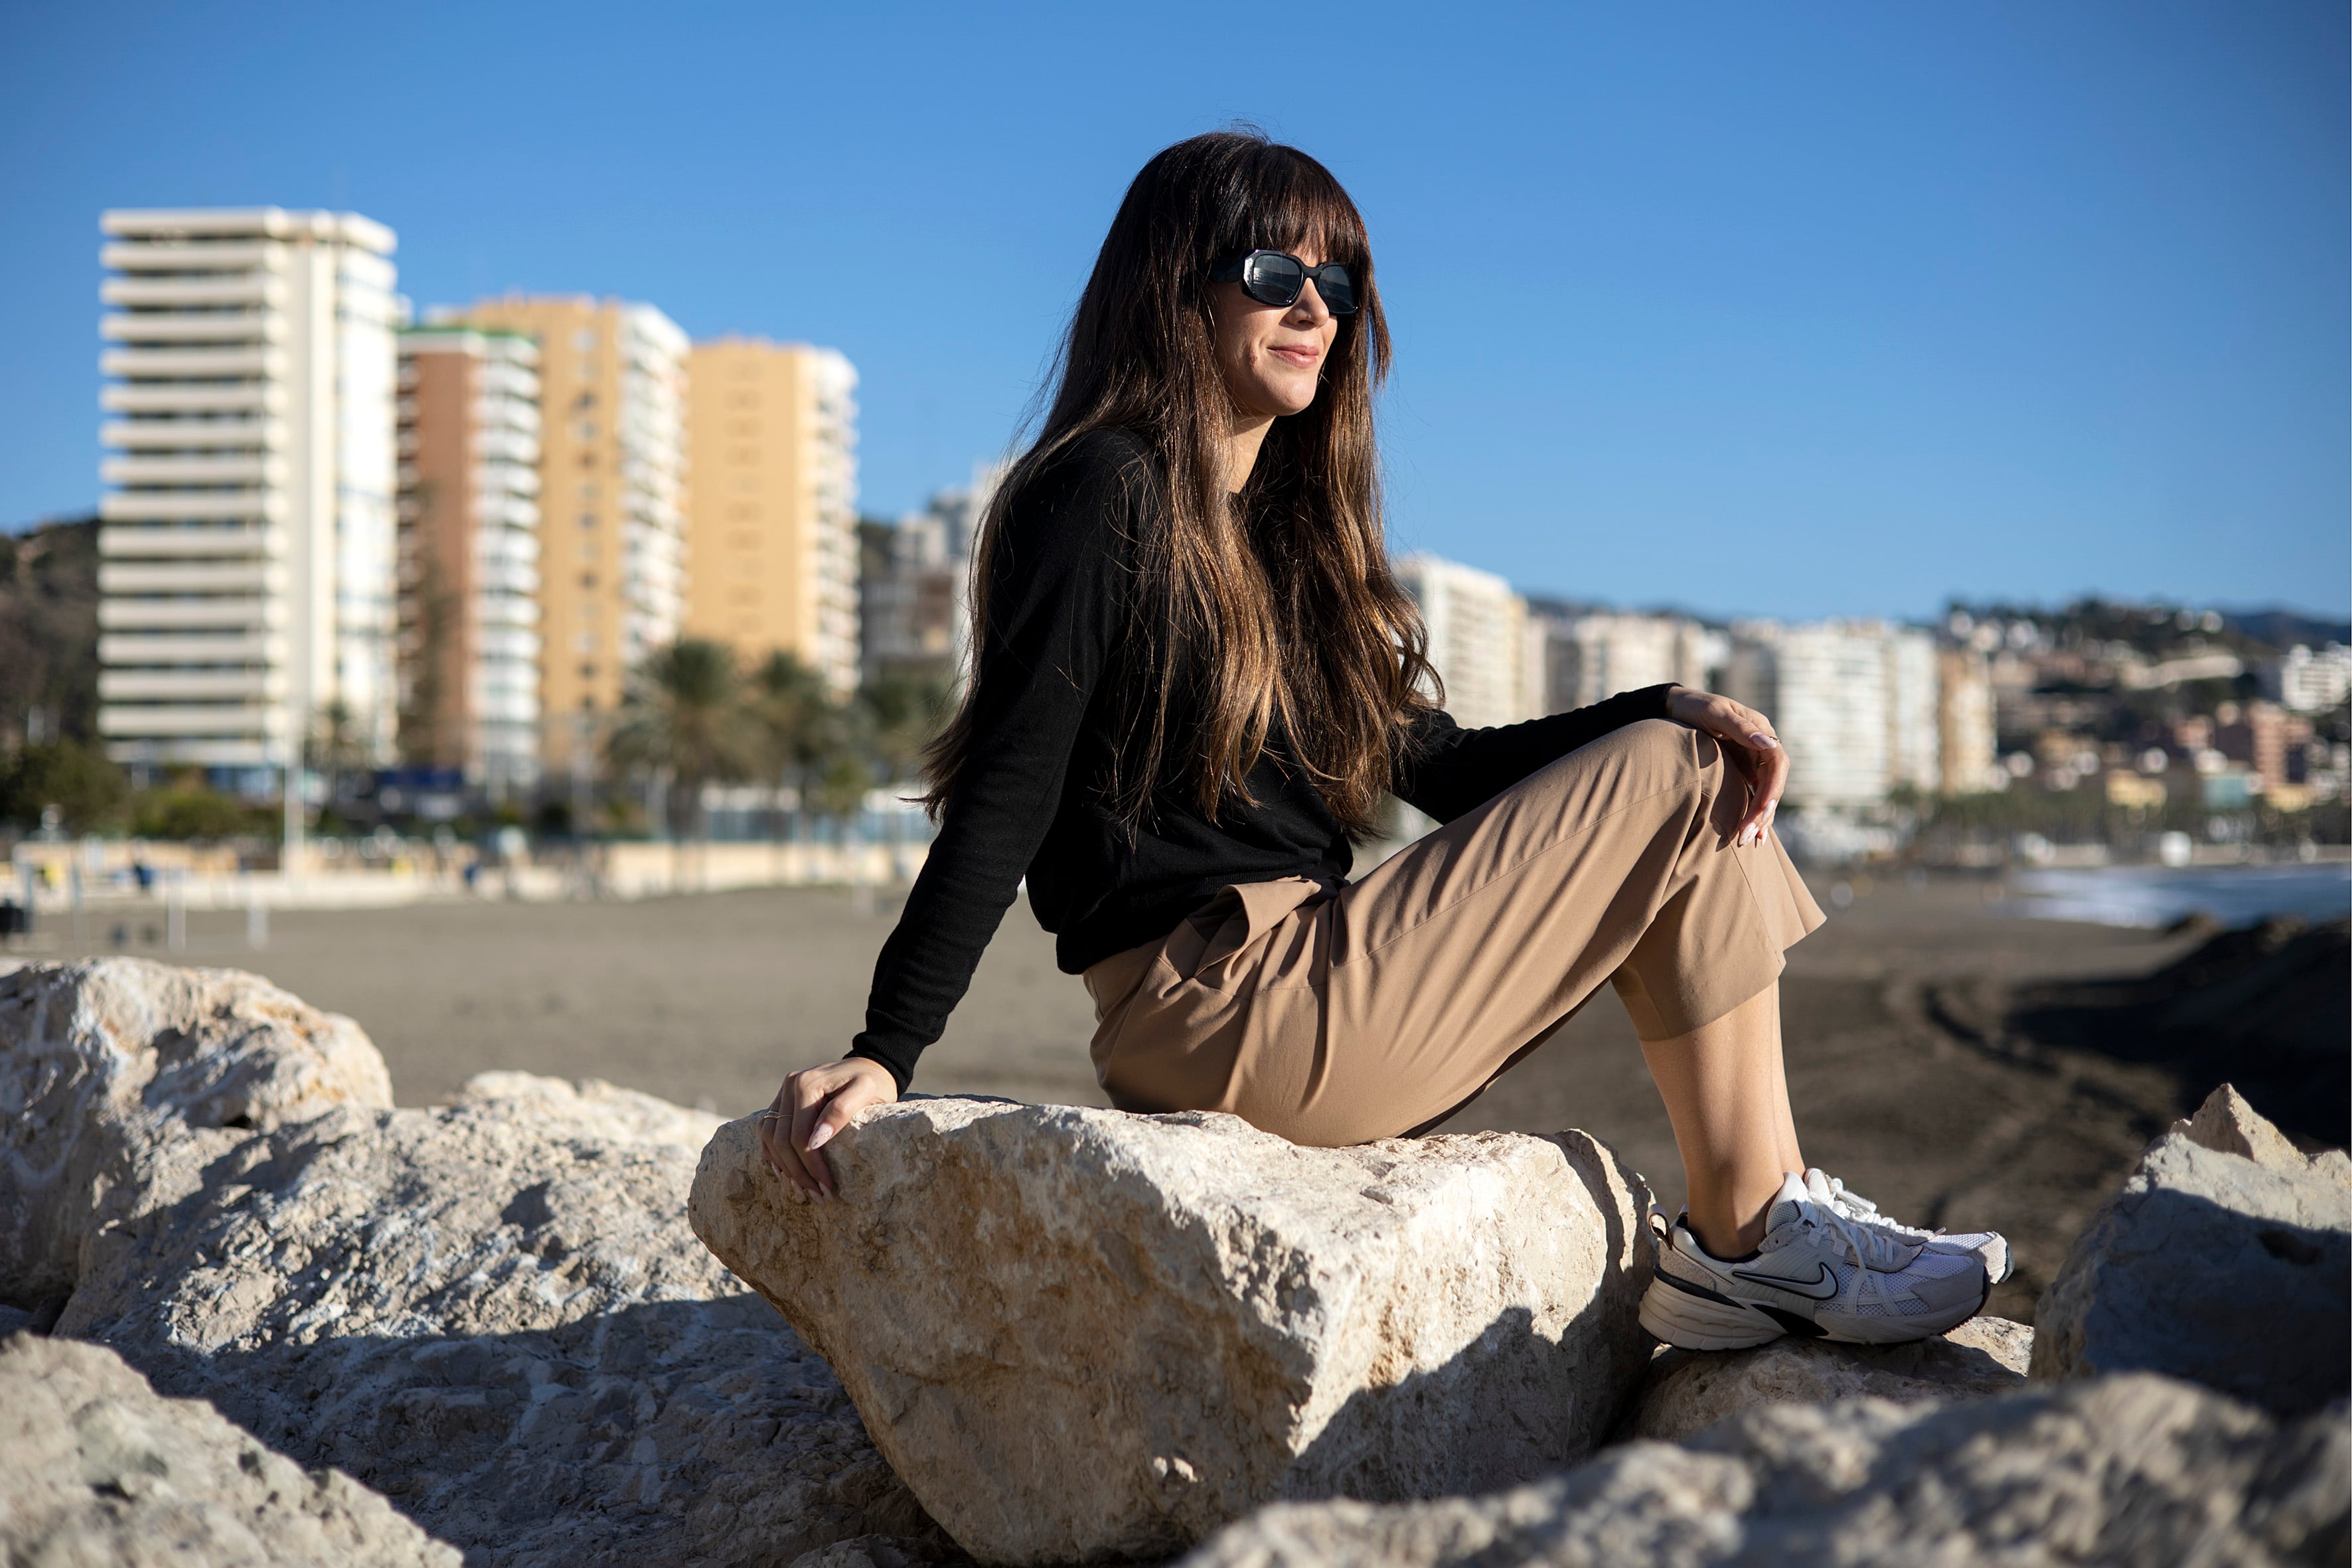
2070,318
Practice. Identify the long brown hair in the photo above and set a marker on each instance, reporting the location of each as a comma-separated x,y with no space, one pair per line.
1275,603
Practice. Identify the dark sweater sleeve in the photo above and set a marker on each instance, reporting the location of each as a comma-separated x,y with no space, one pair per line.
1446,771
1057,584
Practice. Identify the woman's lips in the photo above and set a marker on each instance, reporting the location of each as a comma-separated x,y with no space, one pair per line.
1302,355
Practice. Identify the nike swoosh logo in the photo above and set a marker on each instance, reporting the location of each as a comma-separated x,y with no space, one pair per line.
1821,1289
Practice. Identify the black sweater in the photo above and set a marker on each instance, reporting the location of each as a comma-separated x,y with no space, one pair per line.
1029,800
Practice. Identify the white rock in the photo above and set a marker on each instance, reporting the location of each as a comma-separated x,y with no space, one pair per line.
2136,1471
103,1053
1077,1333
494,1312
594,1106
2226,1259
500,1321
96,1469
1688,1391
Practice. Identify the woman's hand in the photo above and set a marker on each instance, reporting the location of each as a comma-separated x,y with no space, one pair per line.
813,1104
1748,738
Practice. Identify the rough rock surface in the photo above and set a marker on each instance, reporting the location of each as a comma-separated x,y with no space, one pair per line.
498,1319
1689,1390
1078,1333
101,1055
596,1106
96,1469
493,1312
2226,1259
2136,1471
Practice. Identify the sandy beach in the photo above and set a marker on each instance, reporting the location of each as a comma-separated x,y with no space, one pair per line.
1903,1083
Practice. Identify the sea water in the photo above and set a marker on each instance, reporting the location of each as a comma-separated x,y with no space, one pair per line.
2155,895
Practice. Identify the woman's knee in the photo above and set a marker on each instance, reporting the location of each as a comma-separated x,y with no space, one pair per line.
1667,744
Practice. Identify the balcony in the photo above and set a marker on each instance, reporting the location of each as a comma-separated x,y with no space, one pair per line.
248,469
116,577
190,614
150,365
231,255
180,543
193,327
252,289
243,721
508,643
175,506
227,647
506,577
506,544
192,685
511,611
512,445
182,399
194,435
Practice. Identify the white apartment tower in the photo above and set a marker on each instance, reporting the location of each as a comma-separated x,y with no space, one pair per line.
1856,702
246,548
1914,733
1477,639
1579,659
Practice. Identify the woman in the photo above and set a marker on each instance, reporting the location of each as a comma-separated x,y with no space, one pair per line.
1194,681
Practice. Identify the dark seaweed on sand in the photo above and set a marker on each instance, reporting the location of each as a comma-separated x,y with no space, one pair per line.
2268,1008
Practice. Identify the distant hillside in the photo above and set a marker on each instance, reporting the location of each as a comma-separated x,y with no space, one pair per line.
2285,628
48,629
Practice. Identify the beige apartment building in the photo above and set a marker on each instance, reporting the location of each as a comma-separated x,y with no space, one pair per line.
468,509
611,501
772,518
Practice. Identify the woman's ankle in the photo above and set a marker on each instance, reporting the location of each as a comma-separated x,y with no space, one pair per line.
1729,1222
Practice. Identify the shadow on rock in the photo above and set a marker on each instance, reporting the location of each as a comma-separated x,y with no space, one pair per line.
670,1429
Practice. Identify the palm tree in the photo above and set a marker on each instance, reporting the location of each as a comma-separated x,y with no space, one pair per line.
799,719
903,714
682,723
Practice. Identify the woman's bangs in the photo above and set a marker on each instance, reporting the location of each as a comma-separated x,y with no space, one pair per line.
1302,207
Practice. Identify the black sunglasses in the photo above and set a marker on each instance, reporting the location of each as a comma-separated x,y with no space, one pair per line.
1270,277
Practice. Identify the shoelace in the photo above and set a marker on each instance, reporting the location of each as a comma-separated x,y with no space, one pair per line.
1835,1195
1873,1253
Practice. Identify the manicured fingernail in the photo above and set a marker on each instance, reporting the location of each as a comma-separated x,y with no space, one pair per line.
819,1138
1764,742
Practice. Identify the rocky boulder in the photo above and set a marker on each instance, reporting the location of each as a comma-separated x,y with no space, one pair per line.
493,1312
100,1055
95,1467
2136,1471
1687,1391
1081,1334
2226,1259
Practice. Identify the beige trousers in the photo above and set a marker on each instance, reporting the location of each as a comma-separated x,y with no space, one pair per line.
1379,1010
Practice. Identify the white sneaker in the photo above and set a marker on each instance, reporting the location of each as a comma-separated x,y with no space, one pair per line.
1817,1274
1990,1246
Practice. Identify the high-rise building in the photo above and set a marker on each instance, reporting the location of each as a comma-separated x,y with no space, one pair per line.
914,585
1477,639
1580,657
773,523
1966,756
470,553
612,500
1863,708
247,581
2311,682
1824,687
1914,738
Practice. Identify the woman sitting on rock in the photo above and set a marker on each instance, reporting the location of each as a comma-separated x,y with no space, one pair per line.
1194,681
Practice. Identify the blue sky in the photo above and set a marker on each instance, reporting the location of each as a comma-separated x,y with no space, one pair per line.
1818,309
